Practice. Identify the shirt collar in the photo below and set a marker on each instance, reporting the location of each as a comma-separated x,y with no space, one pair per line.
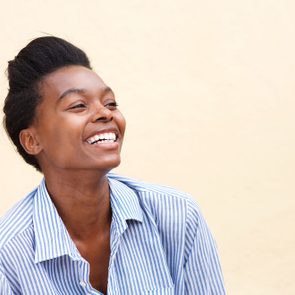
52,239
125,204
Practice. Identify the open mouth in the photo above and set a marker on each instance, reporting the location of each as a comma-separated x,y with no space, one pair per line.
108,137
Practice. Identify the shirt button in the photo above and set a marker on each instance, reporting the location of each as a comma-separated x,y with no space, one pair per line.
83,284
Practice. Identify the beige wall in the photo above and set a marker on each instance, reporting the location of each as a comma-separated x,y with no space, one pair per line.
207,88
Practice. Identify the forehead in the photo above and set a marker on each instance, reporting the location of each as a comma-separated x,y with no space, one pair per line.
59,81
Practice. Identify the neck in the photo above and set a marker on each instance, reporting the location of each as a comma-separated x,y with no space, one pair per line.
82,201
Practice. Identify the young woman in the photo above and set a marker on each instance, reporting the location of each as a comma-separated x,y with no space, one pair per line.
84,230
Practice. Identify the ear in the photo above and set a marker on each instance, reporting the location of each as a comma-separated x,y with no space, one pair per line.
29,141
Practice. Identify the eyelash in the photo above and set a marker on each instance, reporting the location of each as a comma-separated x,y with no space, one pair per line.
80,105
111,105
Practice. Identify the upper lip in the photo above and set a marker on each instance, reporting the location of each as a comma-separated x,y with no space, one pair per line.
101,131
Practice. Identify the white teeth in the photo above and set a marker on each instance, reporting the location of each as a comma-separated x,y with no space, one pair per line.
112,136
104,137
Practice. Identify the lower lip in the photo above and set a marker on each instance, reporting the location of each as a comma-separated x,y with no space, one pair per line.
105,145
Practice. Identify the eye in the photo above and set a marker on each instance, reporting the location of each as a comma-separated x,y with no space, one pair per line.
111,105
78,106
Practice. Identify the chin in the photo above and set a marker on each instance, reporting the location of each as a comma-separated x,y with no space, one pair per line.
108,165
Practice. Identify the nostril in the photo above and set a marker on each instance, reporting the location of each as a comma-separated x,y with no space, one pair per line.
104,119
103,115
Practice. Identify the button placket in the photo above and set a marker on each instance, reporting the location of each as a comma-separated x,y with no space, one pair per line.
83,284
115,242
84,275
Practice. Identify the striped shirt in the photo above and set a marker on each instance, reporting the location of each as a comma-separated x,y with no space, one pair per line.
160,244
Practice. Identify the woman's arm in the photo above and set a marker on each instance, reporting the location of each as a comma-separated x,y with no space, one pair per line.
202,269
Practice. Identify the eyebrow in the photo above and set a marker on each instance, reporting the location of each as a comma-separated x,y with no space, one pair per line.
82,91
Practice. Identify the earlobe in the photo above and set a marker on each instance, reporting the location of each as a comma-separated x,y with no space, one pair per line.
29,141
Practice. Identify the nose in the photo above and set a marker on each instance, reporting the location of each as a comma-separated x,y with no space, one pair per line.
102,114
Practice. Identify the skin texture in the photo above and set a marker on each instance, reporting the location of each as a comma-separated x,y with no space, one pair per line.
76,104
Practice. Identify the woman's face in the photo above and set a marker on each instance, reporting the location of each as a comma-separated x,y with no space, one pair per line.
77,124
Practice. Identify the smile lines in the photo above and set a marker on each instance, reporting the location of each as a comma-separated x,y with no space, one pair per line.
102,138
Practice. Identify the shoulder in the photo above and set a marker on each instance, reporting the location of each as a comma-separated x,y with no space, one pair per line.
16,220
175,214
162,200
149,188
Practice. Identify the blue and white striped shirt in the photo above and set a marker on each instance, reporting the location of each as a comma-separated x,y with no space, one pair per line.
160,244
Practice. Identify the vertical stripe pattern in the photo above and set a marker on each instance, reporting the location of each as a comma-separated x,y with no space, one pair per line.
160,244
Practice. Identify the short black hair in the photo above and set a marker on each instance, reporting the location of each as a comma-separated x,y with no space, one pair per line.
39,58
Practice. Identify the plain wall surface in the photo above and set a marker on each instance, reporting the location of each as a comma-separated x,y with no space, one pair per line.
207,88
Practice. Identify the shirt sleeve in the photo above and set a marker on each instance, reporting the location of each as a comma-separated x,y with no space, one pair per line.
4,285
202,271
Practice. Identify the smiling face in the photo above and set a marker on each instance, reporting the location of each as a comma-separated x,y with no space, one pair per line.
77,124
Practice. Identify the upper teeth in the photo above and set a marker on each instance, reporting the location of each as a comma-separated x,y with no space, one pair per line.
102,137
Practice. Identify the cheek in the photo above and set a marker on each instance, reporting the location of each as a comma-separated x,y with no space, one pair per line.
122,122
53,140
56,134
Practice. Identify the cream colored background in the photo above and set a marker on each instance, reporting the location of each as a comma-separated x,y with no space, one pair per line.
207,88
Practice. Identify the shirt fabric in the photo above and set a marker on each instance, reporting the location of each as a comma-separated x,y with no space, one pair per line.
160,244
